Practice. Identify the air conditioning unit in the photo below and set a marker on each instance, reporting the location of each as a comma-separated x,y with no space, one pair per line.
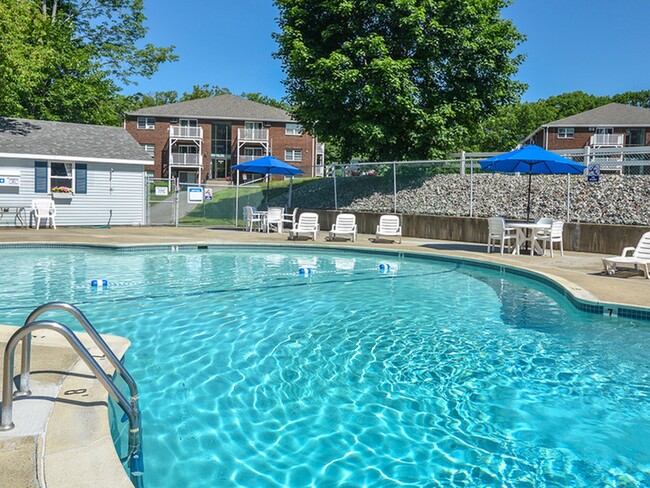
267,124
173,121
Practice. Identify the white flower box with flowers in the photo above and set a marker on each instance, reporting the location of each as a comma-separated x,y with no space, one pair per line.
61,193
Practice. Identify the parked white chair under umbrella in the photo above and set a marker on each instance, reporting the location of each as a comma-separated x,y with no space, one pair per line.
499,232
275,219
252,218
553,235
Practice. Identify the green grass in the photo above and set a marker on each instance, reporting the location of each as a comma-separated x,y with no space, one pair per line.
221,209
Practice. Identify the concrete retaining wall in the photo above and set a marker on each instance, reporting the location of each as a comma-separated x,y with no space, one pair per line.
594,238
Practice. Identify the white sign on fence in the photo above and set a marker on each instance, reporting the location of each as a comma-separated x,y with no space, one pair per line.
194,194
162,191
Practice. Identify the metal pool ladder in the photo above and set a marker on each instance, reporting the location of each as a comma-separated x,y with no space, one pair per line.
130,408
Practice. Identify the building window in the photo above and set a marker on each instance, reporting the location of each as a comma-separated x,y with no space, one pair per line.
293,129
146,123
565,133
293,154
61,176
149,148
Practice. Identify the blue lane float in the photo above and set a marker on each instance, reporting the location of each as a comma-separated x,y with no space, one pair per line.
305,272
99,283
384,268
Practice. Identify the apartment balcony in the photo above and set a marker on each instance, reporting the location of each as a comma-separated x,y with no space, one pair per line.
247,159
186,160
183,132
253,135
607,140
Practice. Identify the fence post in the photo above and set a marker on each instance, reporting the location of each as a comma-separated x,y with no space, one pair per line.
471,185
336,202
395,187
462,162
237,199
177,194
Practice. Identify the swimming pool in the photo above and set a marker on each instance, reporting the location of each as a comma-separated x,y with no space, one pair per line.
431,374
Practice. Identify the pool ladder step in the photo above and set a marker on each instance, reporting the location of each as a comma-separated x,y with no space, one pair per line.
24,334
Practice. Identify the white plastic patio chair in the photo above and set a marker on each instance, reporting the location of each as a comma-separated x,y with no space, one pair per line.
499,231
275,219
389,227
552,235
44,209
345,226
640,257
307,224
290,218
252,218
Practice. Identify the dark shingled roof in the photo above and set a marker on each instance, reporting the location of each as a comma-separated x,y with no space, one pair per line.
229,107
23,136
613,114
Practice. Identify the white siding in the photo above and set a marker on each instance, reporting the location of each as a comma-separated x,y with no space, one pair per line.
120,191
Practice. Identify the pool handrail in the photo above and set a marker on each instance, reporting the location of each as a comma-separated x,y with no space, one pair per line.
133,413
23,389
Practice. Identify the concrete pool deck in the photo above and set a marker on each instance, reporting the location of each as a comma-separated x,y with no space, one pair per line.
66,443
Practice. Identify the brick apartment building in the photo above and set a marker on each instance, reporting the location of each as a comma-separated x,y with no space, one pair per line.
202,139
614,125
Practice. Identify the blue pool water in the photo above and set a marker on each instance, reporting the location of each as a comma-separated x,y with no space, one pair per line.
430,375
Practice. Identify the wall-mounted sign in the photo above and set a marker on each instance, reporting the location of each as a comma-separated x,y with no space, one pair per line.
162,191
9,180
194,194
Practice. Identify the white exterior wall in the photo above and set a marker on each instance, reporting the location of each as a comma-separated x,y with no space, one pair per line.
123,192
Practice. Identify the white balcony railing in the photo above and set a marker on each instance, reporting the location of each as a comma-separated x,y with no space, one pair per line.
185,159
253,135
607,140
247,159
182,132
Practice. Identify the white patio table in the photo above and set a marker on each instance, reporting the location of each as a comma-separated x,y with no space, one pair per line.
525,233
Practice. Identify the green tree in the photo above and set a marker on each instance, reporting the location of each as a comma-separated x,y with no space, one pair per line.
266,100
62,59
204,91
396,79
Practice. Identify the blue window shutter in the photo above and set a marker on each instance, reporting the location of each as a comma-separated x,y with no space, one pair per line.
81,178
40,177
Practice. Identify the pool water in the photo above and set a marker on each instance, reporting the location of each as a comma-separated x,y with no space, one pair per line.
432,374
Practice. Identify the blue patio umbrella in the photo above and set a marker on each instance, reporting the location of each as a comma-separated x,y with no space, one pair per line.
532,160
268,165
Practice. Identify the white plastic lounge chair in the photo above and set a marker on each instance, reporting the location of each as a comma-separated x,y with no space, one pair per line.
640,257
44,209
552,235
499,231
274,219
389,227
307,224
252,218
345,226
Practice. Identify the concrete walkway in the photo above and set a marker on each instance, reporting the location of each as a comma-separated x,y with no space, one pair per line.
63,443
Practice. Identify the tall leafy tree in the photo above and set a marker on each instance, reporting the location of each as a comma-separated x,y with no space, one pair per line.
396,79
63,59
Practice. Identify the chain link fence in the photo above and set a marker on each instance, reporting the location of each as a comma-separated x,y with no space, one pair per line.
188,204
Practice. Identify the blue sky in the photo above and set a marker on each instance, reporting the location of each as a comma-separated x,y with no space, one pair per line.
597,46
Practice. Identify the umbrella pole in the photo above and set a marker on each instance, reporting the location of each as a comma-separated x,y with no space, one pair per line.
268,183
528,208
